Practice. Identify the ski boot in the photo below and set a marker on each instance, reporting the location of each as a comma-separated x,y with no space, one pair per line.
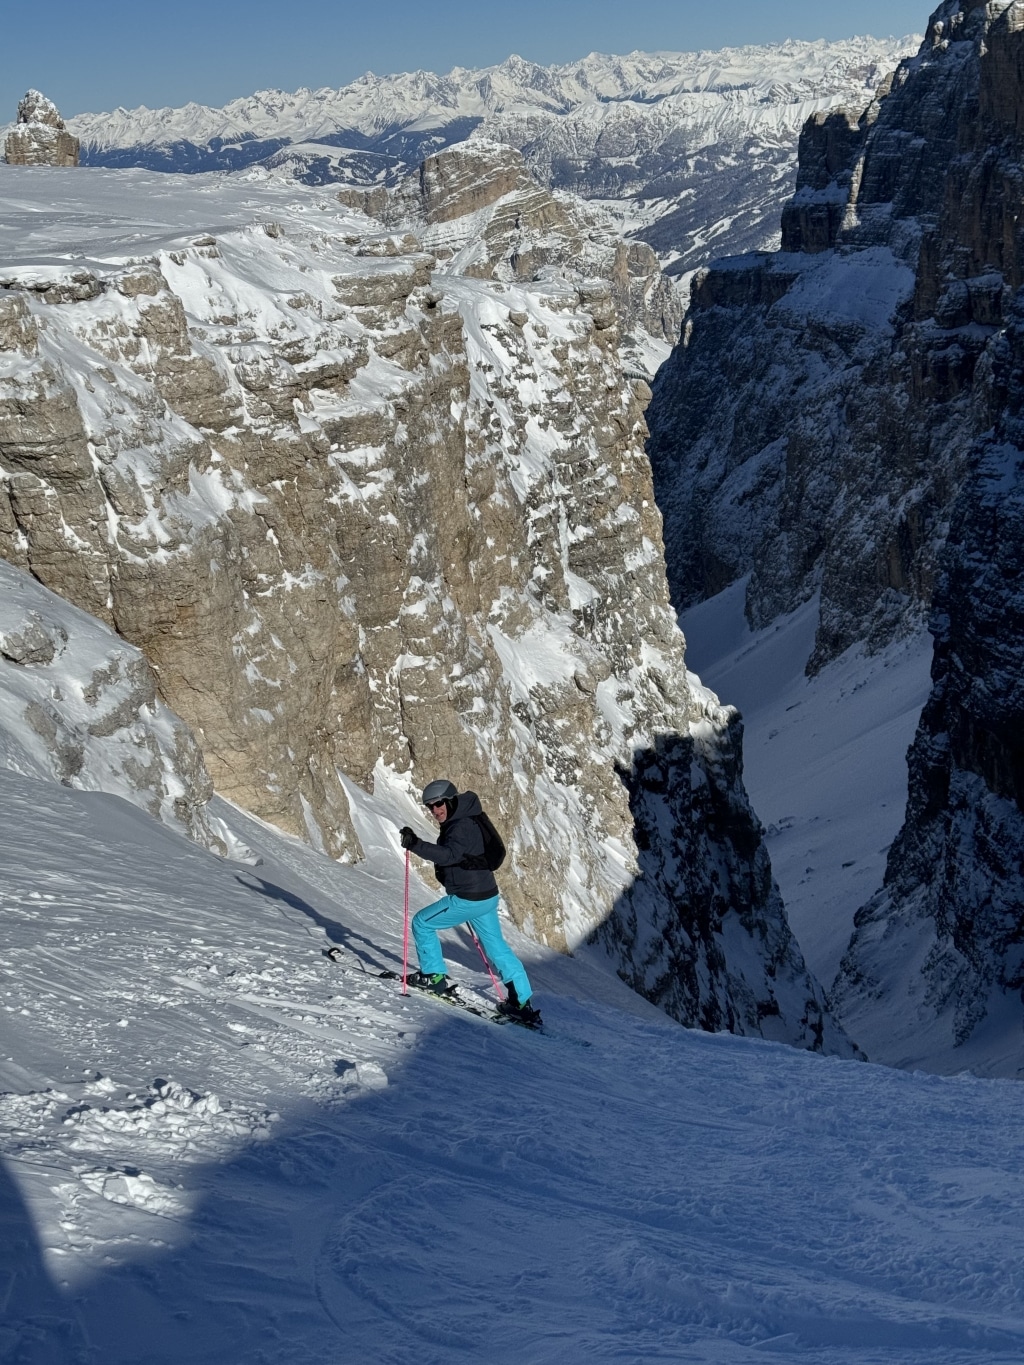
516,1013
434,982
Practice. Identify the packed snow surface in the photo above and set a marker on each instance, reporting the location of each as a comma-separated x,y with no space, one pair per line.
824,758
218,1147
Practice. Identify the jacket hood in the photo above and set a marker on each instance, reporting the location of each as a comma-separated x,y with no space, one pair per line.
469,805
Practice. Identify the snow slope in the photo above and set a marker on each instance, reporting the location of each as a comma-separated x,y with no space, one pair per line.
87,220
825,761
219,1148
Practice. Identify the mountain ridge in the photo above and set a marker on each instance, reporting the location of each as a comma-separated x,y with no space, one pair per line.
459,78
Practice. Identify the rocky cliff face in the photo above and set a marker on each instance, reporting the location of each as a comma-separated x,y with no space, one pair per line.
814,427
820,427
373,522
40,137
703,928
479,210
935,970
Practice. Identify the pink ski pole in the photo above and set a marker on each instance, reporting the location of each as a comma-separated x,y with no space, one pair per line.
405,932
497,988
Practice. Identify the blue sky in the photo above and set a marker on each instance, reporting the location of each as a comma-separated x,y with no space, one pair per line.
98,56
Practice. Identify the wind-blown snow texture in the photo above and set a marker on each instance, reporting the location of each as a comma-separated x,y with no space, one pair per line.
691,152
219,1148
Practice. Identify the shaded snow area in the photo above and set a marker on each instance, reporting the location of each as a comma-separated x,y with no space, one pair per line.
824,758
864,288
218,1147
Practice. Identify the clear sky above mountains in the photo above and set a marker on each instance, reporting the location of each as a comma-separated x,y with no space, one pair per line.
94,58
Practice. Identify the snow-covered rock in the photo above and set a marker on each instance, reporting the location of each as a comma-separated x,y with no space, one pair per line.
40,136
374,523
78,705
479,210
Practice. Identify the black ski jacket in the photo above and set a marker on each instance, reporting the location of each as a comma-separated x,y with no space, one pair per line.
460,837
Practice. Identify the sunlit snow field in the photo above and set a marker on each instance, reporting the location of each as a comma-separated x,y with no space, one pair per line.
219,1148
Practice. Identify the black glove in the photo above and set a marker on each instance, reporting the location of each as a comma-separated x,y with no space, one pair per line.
409,837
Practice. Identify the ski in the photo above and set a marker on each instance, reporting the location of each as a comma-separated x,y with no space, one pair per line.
449,997
336,955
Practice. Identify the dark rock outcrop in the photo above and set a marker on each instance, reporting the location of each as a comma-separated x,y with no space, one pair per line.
830,145
705,896
940,950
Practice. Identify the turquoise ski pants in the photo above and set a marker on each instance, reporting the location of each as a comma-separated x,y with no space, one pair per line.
482,918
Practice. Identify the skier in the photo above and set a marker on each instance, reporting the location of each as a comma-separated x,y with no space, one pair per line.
461,867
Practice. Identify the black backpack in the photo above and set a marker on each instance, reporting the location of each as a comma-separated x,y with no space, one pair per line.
494,848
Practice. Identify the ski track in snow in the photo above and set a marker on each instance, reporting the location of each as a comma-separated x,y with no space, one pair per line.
219,1147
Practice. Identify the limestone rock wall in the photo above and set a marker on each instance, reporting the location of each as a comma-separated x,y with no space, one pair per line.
814,426
935,969
40,137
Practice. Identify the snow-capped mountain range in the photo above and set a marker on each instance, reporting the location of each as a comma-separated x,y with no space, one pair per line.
692,152
775,79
